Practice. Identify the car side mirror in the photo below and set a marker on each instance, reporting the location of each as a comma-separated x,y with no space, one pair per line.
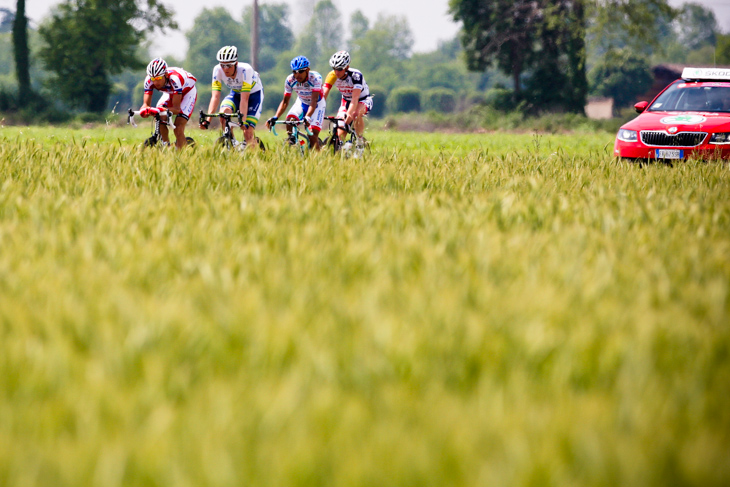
641,106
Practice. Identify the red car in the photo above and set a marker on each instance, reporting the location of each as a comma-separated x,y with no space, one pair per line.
690,118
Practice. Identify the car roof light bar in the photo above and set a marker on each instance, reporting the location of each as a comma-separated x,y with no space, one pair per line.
706,73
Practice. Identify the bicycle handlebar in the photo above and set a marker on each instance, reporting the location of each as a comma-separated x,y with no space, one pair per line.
226,116
292,123
340,123
166,114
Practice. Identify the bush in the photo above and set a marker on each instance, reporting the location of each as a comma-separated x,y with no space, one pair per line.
500,99
440,99
405,99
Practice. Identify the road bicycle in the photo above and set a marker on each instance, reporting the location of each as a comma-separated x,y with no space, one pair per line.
162,116
296,138
228,140
348,147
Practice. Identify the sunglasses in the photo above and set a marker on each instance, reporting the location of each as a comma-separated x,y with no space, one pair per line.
299,71
157,78
339,69
228,65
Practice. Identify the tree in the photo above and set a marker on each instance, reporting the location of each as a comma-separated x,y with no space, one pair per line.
22,54
86,41
7,18
359,27
275,35
622,75
212,29
696,26
323,35
388,42
500,32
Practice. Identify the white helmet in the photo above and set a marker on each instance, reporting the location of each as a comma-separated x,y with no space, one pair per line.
340,60
157,67
227,54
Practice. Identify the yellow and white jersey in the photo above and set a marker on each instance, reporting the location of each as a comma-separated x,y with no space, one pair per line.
244,80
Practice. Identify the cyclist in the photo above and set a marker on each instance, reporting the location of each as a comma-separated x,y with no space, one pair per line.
352,85
178,95
309,105
247,91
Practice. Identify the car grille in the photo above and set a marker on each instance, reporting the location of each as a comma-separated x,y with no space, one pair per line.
663,139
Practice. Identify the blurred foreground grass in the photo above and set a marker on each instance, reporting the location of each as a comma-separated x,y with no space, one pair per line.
450,311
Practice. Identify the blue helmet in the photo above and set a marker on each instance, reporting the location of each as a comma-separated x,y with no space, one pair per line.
299,62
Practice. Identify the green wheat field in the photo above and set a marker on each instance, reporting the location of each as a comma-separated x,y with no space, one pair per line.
498,309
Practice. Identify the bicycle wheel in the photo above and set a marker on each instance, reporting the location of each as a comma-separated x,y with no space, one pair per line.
302,143
335,143
224,143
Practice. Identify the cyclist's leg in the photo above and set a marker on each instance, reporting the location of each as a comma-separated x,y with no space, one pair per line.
342,113
187,105
362,109
296,113
255,102
164,103
316,125
230,104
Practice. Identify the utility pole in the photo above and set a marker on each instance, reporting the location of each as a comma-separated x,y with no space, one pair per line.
255,36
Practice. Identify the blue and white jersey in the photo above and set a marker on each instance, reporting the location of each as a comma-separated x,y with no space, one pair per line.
313,84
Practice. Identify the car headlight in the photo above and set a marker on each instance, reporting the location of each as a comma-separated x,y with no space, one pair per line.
720,138
628,135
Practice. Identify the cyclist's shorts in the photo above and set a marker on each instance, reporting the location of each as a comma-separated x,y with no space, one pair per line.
187,105
367,101
255,103
300,109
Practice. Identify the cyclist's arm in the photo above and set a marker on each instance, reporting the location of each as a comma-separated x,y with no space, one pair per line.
350,116
176,100
313,105
215,99
328,82
147,100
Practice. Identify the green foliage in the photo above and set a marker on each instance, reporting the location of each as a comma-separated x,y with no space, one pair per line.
275,36
380,100
86,41
723,49
7,18
387,43
622,75
212,29
640,25
405,99
322,36
543,38
500,98
696,26
439,99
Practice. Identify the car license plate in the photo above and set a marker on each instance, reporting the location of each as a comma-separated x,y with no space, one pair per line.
669,154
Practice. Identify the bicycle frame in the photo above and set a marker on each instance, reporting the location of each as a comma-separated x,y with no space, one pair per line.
159,118
336,125
228,140
299,138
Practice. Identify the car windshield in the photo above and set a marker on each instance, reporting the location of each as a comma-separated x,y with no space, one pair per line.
694,97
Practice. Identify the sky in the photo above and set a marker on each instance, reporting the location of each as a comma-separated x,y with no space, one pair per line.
428,19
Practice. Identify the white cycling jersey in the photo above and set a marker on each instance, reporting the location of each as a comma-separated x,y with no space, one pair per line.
354,80
178,81
313,84
245,79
